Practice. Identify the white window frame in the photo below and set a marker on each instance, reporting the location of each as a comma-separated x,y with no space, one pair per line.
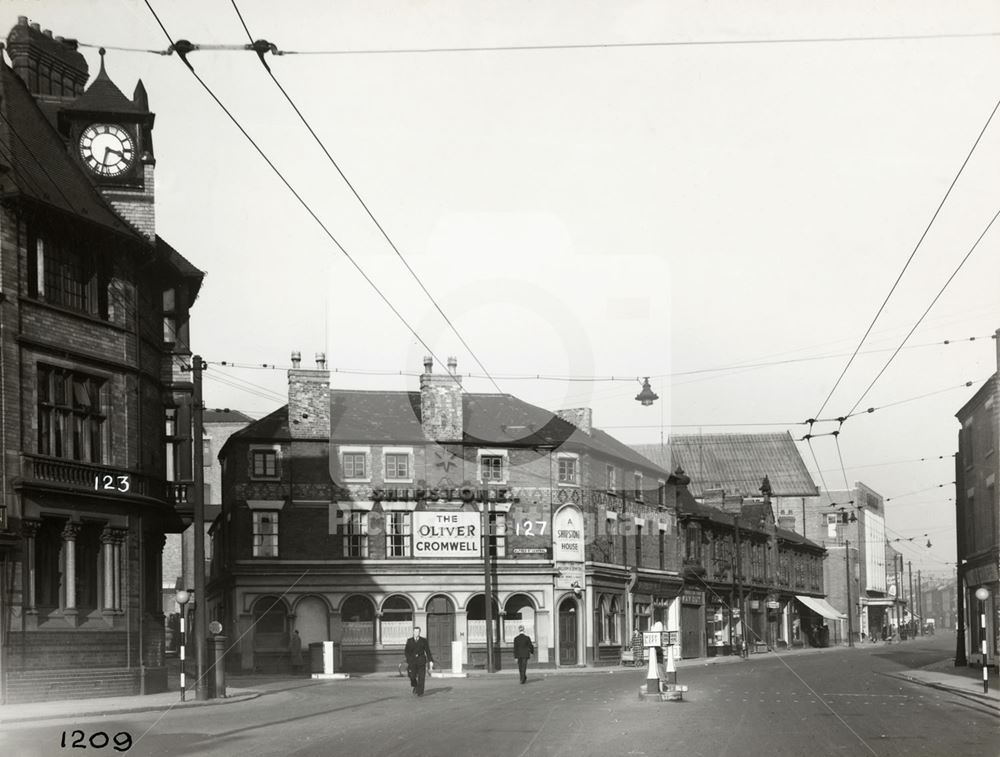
637,482
575,457
504,465
407,533
611,477
347,534
256,514
350,450
408,452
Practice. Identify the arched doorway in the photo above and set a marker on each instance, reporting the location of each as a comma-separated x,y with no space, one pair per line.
568,622
440,629
312,621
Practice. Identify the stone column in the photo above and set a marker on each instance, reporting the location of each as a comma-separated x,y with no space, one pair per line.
119,581
109,550
378,630
29,530
69,533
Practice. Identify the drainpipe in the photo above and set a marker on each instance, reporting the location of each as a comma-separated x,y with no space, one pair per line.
633,579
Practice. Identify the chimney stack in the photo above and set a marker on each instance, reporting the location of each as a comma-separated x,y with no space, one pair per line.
786,522
50,67
441,403
309,399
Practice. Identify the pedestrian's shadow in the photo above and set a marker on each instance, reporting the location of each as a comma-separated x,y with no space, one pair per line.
432,692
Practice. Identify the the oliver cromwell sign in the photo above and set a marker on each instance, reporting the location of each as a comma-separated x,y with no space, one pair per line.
446,534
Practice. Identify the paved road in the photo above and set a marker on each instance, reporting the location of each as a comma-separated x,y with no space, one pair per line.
834,702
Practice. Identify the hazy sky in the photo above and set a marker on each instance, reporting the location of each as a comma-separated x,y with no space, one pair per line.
612,211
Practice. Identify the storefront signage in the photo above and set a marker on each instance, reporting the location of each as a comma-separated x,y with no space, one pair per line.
772,605
530,551
693,597
446,534
567,535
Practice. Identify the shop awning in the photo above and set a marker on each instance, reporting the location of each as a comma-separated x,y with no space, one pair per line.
822,607
878,601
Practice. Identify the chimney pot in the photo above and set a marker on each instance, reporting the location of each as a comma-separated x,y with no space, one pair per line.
48,33
428,364
36,26
452,364
22,20
321,360
296,359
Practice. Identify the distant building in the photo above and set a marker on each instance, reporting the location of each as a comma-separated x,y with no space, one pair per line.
352,516
178,552
780,591
94,314
977,467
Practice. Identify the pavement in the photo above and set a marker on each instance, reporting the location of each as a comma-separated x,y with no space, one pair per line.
943,675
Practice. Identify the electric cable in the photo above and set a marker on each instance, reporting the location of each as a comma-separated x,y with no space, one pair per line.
907,264
260,46
299,197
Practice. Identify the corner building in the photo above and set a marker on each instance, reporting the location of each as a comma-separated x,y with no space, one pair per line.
94,323
353,516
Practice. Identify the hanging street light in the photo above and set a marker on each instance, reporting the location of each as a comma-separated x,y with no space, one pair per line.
647,396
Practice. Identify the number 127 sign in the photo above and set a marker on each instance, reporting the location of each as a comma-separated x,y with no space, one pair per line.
527,527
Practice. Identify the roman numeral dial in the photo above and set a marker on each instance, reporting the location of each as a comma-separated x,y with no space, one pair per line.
107,149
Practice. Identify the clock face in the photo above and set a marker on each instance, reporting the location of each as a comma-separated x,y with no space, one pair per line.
107,149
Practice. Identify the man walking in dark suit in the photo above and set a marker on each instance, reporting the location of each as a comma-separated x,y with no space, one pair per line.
523,649
418,655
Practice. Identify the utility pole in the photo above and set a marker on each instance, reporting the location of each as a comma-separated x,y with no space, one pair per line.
850,612
920,602
739,583
200,603
488,588
961,660
913,606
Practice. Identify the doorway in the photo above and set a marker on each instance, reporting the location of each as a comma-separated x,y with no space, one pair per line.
440,629
568,654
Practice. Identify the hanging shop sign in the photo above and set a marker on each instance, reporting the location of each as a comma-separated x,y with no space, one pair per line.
567,535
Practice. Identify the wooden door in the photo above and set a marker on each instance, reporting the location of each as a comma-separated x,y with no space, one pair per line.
692,630
440,630
567,634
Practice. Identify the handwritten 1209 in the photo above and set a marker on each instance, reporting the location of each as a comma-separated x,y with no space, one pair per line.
78,740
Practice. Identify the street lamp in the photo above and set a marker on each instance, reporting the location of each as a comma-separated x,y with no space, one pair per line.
982,594
647,396
182,596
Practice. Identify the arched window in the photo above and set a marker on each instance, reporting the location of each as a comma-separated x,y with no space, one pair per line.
357,617
476,620
614,621
270,624
397,620
518,611
605,621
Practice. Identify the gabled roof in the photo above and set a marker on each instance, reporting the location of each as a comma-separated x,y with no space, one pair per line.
34,161
225,416
736,463
490,420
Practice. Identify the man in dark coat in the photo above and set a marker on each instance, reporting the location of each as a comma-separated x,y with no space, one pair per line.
418,655
523,649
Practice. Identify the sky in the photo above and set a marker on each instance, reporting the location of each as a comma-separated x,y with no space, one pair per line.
682,191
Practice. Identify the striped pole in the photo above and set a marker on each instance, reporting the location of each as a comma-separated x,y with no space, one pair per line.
982,628
183,682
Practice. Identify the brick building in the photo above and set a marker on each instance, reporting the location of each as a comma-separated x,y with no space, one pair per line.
977,509
94,320
352,516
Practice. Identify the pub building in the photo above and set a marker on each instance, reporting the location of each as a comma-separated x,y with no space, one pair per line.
352,516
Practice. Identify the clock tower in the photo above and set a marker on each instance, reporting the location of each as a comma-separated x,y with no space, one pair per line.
110,136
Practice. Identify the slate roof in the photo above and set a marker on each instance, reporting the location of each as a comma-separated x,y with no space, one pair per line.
34,161
736,463
225,416
103,96
490,420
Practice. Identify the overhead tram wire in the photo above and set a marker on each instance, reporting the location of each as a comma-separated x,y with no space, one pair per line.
924,314
294,192
906,265
583,45
261,47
